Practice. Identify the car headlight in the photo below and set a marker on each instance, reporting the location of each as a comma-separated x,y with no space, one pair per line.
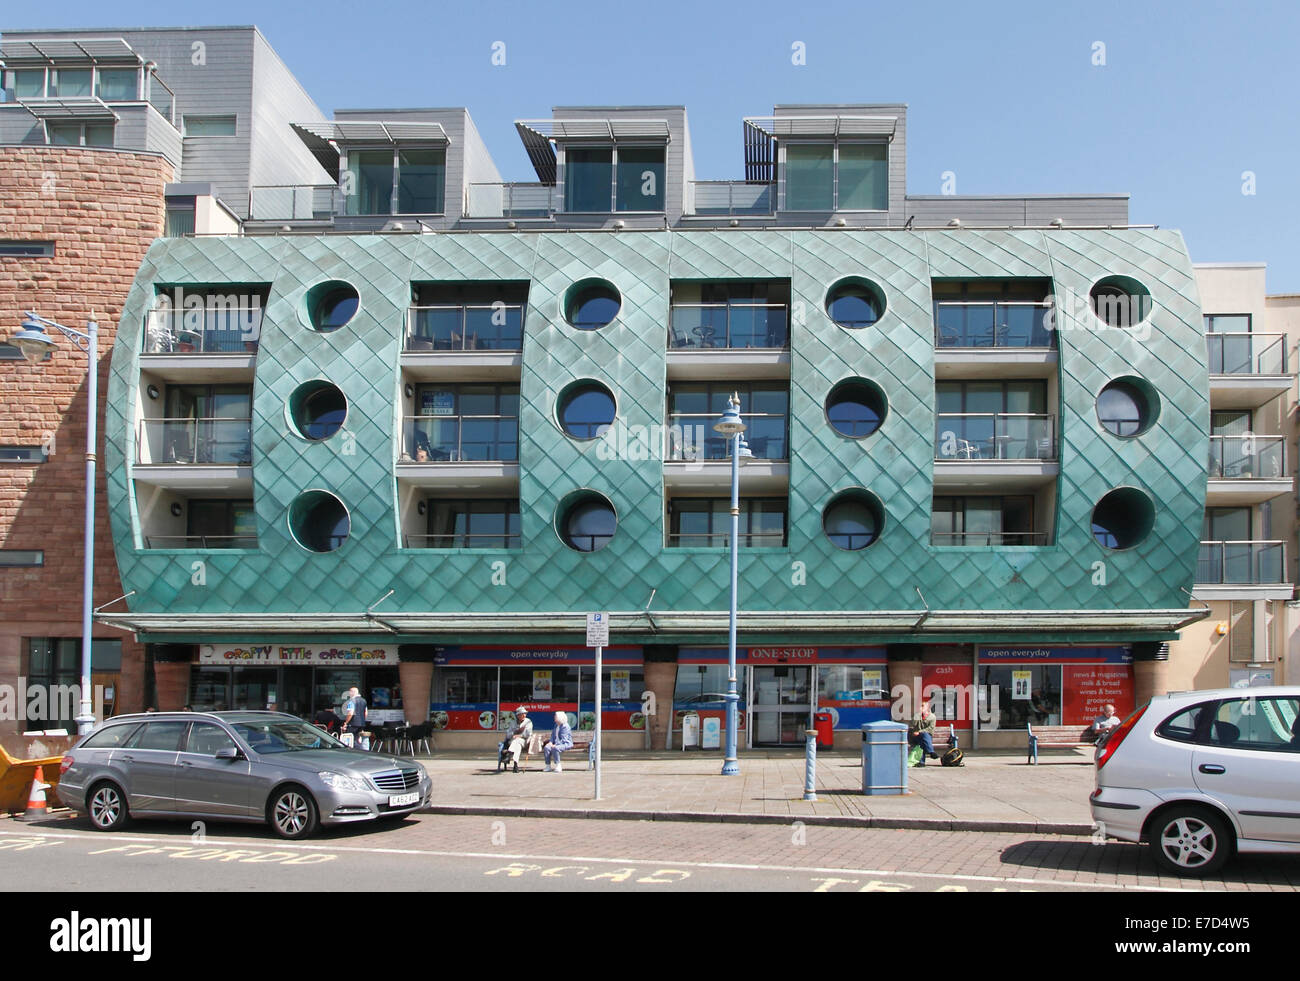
337,781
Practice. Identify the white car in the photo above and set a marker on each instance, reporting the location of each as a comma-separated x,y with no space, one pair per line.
1199,775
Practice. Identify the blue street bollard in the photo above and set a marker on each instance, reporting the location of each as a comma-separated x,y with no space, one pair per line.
810,765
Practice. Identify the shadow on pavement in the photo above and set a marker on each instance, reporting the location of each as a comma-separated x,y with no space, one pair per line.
1124,858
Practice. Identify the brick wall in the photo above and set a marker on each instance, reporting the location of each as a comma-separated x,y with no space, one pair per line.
102,209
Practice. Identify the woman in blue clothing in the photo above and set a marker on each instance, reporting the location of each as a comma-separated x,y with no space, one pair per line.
561,739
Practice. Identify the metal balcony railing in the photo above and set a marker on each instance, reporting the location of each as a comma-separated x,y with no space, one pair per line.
214,330
443,439
200,541
728,325
1251,457
463,540
975,538
506,199
691,437
215,441
162,98
465,327
722,539
733,198
963,436
1241,563
1247,353
1010,324
294,202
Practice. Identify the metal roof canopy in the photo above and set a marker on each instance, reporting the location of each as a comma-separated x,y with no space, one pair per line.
48,51
760,159
82,107
538,134
322,138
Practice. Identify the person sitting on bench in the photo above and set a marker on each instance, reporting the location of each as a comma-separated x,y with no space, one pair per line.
1101,725
561,739
518,738
921,731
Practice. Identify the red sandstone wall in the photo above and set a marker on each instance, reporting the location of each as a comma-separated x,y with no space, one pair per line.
102,209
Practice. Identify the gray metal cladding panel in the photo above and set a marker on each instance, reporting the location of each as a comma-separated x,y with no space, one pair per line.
894,464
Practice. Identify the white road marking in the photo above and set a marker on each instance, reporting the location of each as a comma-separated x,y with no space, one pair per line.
716,866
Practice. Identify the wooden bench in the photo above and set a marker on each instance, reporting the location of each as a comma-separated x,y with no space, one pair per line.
582,739
1062,737
943,740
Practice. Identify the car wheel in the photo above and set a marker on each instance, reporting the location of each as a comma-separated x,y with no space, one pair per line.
1190,841
106,805
292,813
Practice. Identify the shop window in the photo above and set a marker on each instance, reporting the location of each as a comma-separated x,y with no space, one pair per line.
522,686
209,689
1020,695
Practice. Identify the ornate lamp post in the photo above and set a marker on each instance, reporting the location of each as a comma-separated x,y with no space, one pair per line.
731,426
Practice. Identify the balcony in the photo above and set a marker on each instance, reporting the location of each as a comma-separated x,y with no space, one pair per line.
977,539
1002,325
733,199
1244,563
722,539
513,200
465,327
294,202
1247,469
463,540
455,439
200,541
986,450
206,454
1248,369
217,329
728,326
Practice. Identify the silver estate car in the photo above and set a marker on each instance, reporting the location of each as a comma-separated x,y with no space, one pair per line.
236,766
1200,775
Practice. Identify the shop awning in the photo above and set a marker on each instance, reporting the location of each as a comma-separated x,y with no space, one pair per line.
643,626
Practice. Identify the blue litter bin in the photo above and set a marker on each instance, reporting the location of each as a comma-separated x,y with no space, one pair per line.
884,758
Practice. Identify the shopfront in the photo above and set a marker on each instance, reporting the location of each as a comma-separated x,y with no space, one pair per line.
478,689
1052,686
780,688
299,679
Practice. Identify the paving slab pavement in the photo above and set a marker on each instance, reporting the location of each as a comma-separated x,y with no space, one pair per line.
994,791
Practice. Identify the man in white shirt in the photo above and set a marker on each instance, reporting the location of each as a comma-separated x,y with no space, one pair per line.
1103,724
518,737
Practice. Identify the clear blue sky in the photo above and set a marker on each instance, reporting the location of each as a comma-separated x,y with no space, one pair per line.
1005,95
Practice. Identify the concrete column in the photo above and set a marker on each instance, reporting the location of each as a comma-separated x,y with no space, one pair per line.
661,678
172,682
417,684
1150,678
905,674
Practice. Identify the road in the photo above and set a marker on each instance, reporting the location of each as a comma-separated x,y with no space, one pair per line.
467,853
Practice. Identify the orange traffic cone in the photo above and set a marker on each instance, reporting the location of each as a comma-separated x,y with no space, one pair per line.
36,799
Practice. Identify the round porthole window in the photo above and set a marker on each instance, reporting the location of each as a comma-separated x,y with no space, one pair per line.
317,409
1120,301
1128,406
1123,518
586,409
587,522
856,408
853,520
855,303
318,521
331,305
591,304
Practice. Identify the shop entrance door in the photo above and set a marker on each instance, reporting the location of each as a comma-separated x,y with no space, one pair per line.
781,707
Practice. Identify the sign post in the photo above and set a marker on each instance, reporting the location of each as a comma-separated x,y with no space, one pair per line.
597,637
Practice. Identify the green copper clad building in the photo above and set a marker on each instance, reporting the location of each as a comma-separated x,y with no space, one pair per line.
406,432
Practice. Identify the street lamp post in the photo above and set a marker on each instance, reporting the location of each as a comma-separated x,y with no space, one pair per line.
35,344
731,426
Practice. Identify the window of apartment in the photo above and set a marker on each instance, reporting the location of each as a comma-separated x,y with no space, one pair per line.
837,176
993,420
53,665
209,125
70,82
11,248
471,524
117,84
23,454
205,320
984,521
698,522
1233,350
999,313
465,422
395,181
481,316
24,83
80,134
220,524
693,408
729,314
614,178
21,558
180,217
208,424
1241,630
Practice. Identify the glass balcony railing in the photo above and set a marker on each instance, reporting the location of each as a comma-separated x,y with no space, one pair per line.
200,541
214,330
727,198
294,202
692,438
977,538
502,199
213,441
1247,457
463,540
722,539
962,324
455,439
728,325
966,436
465,327
1247,353
1241,563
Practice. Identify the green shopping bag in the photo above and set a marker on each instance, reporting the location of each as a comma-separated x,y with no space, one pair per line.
915,755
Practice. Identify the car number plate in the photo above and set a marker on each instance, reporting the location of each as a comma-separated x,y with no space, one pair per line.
402,800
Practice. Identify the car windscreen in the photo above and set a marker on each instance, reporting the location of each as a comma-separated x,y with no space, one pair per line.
283,736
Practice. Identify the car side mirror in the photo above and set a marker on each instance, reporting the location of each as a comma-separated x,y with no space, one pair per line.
229,753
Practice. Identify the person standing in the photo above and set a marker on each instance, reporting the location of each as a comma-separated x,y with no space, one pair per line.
354,718
561,739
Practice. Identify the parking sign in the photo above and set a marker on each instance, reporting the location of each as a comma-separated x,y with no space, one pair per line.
597,630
